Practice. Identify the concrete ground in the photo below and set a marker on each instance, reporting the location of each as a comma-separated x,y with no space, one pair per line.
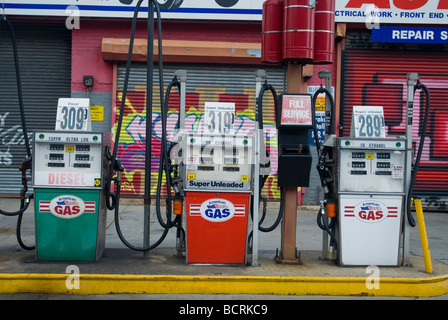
314,276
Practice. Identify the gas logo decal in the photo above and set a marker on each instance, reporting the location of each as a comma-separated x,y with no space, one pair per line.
67,206
371,211
217,210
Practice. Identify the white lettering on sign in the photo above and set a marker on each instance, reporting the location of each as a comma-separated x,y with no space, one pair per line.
392,11
67,206
371,211
413,35
296,110
69,179
217,210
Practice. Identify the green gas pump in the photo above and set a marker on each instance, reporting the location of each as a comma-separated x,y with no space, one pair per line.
68,179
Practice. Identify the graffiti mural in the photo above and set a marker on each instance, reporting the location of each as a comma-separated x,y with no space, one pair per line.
131,150
10,138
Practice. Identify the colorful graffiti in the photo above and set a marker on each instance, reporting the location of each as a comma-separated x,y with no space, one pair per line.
131,150
11,137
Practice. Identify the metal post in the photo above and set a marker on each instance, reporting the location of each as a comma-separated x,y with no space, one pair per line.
288,253
260,77
324,74
149,86
182,77
411,79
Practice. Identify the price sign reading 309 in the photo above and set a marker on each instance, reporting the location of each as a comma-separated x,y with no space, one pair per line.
73,114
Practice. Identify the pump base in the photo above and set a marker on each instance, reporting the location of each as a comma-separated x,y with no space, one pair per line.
282,260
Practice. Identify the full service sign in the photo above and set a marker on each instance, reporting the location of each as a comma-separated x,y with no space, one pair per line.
296,110
392,11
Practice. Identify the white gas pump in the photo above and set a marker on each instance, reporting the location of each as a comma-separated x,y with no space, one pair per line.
371,189
371,178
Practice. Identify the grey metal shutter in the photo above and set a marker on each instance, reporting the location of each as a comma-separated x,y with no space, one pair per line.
204,83
45,63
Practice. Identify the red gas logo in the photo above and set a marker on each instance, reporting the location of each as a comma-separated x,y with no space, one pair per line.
67,206
371,211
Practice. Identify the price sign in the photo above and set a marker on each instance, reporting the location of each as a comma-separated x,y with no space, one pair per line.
219,117
73,115
368,122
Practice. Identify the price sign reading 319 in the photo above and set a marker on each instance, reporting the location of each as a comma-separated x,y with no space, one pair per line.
219,117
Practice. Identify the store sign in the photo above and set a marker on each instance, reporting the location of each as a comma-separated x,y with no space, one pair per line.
410,35
171,9
392,11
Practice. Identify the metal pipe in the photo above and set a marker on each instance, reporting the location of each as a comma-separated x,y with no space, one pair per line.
149,95
423,235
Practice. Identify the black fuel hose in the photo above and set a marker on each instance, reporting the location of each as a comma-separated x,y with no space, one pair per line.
330,116
26,164
114,160
322,169
419,152
259,118
19,84
165,162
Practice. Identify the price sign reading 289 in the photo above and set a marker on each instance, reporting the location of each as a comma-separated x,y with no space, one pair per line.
219,117
73,115
368,122
370,125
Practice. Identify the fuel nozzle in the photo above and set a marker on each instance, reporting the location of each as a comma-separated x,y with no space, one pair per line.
178,204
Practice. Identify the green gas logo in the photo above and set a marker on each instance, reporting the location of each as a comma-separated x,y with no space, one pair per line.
67,206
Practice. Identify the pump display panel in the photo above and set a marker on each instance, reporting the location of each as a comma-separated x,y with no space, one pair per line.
218,162
68,159
371,165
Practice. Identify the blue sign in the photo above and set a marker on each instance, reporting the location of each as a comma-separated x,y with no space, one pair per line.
410,35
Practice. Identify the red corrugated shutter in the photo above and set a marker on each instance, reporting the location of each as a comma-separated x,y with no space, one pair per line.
374,77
